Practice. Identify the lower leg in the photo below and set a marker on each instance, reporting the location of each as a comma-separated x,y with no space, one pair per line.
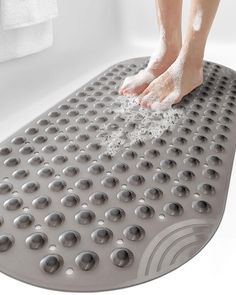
186,73
169,18
202,14
169,14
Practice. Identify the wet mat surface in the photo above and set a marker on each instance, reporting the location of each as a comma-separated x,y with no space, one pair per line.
76,219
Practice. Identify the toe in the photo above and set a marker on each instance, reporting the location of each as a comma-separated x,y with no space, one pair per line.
140,99
124,85
129,91
156,106
143,94
136,84
144,103
170,100
147,101
121,91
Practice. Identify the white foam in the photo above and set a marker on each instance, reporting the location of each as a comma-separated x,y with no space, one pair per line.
143,77
197,22
158,54
146,76
148,124
176,73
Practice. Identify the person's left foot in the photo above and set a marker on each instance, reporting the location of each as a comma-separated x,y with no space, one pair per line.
181,78
160,61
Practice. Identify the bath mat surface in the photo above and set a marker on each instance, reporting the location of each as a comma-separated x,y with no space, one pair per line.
75,218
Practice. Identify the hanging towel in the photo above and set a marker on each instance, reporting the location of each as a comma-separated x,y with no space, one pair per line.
23,13
24,41
25,27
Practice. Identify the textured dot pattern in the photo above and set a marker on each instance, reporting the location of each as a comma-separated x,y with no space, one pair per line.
84,220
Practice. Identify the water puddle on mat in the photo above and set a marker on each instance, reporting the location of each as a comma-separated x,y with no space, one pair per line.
138,124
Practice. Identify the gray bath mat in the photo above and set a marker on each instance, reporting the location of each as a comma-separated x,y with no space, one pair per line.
74,218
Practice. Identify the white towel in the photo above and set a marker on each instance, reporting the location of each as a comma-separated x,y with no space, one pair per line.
25,27
23,13
24,41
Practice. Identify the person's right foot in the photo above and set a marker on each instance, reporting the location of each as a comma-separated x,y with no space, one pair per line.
183,76
158,64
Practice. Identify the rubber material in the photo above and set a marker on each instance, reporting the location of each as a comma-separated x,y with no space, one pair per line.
73,218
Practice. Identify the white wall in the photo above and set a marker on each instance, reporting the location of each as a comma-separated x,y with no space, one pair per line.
81,29
139,20
84,22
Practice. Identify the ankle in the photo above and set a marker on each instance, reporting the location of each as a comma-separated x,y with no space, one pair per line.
189,59
164,56
192,55
173,45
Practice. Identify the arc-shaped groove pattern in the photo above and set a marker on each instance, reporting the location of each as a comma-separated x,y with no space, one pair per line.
173,245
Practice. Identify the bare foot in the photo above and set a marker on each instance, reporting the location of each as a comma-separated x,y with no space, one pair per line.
158,64
183,76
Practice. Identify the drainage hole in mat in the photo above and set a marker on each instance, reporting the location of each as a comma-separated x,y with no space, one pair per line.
162,216
100,222
120,242
52,247
69,271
